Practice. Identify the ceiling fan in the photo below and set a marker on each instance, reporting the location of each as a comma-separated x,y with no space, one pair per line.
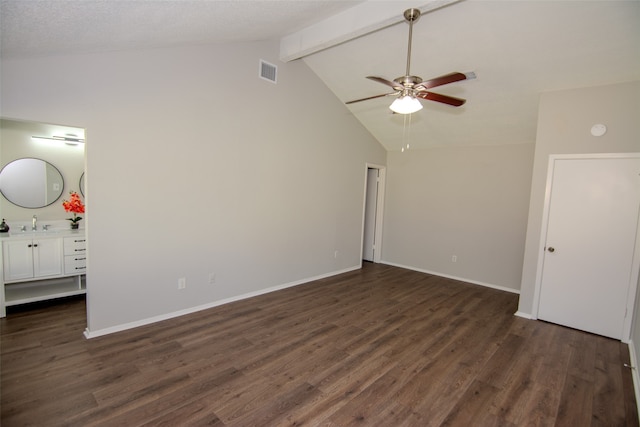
409,88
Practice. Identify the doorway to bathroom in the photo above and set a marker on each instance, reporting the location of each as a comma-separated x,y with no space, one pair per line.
373,212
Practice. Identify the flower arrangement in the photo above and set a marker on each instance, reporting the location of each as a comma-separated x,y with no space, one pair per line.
75,205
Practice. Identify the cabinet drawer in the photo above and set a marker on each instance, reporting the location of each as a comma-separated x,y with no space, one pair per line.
75,264
75,245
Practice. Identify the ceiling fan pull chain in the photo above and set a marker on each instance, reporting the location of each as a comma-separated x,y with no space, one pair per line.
409,130
406,130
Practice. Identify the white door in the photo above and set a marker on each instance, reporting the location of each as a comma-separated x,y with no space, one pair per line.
371,199
592,224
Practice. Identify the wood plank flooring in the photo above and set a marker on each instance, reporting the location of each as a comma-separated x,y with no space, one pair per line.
381,346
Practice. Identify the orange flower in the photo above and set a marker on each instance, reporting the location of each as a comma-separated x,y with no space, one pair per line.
75,205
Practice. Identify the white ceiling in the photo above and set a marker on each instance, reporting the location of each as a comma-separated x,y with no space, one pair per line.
517,48
62,26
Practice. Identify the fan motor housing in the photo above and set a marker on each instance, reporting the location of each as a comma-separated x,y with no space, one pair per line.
408,81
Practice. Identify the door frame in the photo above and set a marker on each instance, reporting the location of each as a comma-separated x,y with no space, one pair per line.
379,211
635,266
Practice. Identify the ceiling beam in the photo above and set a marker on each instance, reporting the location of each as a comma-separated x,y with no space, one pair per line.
361,19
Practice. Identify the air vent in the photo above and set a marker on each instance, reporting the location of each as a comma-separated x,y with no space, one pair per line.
268,71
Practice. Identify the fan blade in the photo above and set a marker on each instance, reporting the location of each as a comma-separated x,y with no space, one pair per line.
442,80
445,99
395,85
371,97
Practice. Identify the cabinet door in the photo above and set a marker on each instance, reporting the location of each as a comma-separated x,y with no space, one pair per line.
47,257
17,257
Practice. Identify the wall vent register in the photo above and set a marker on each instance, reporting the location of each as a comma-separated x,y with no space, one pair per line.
268,71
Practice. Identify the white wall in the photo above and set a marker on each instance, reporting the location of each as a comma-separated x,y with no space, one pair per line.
565,119
470,202
197,166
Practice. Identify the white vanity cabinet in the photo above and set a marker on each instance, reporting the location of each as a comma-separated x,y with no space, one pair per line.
42,266
31,258
75,255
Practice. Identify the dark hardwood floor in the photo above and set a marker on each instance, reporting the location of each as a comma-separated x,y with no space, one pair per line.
381,346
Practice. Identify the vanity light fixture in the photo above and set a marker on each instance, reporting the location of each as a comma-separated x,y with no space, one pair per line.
67,139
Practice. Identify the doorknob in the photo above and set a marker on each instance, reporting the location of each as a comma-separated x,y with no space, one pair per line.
551,249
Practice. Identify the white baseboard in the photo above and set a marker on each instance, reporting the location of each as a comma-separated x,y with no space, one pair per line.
462,279
525,315
118,328
633,358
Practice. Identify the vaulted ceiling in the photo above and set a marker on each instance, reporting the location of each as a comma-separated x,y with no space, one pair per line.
517,48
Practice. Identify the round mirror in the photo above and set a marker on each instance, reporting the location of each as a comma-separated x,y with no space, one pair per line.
82,184
31,183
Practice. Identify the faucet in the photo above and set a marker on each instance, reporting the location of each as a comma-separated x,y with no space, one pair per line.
34,223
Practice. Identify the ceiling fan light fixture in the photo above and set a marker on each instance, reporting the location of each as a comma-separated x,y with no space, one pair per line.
405,105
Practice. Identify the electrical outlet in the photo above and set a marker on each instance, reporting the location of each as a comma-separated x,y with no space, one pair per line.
182,283
212,278
454,258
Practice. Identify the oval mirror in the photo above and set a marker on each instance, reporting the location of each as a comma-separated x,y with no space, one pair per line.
31,183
